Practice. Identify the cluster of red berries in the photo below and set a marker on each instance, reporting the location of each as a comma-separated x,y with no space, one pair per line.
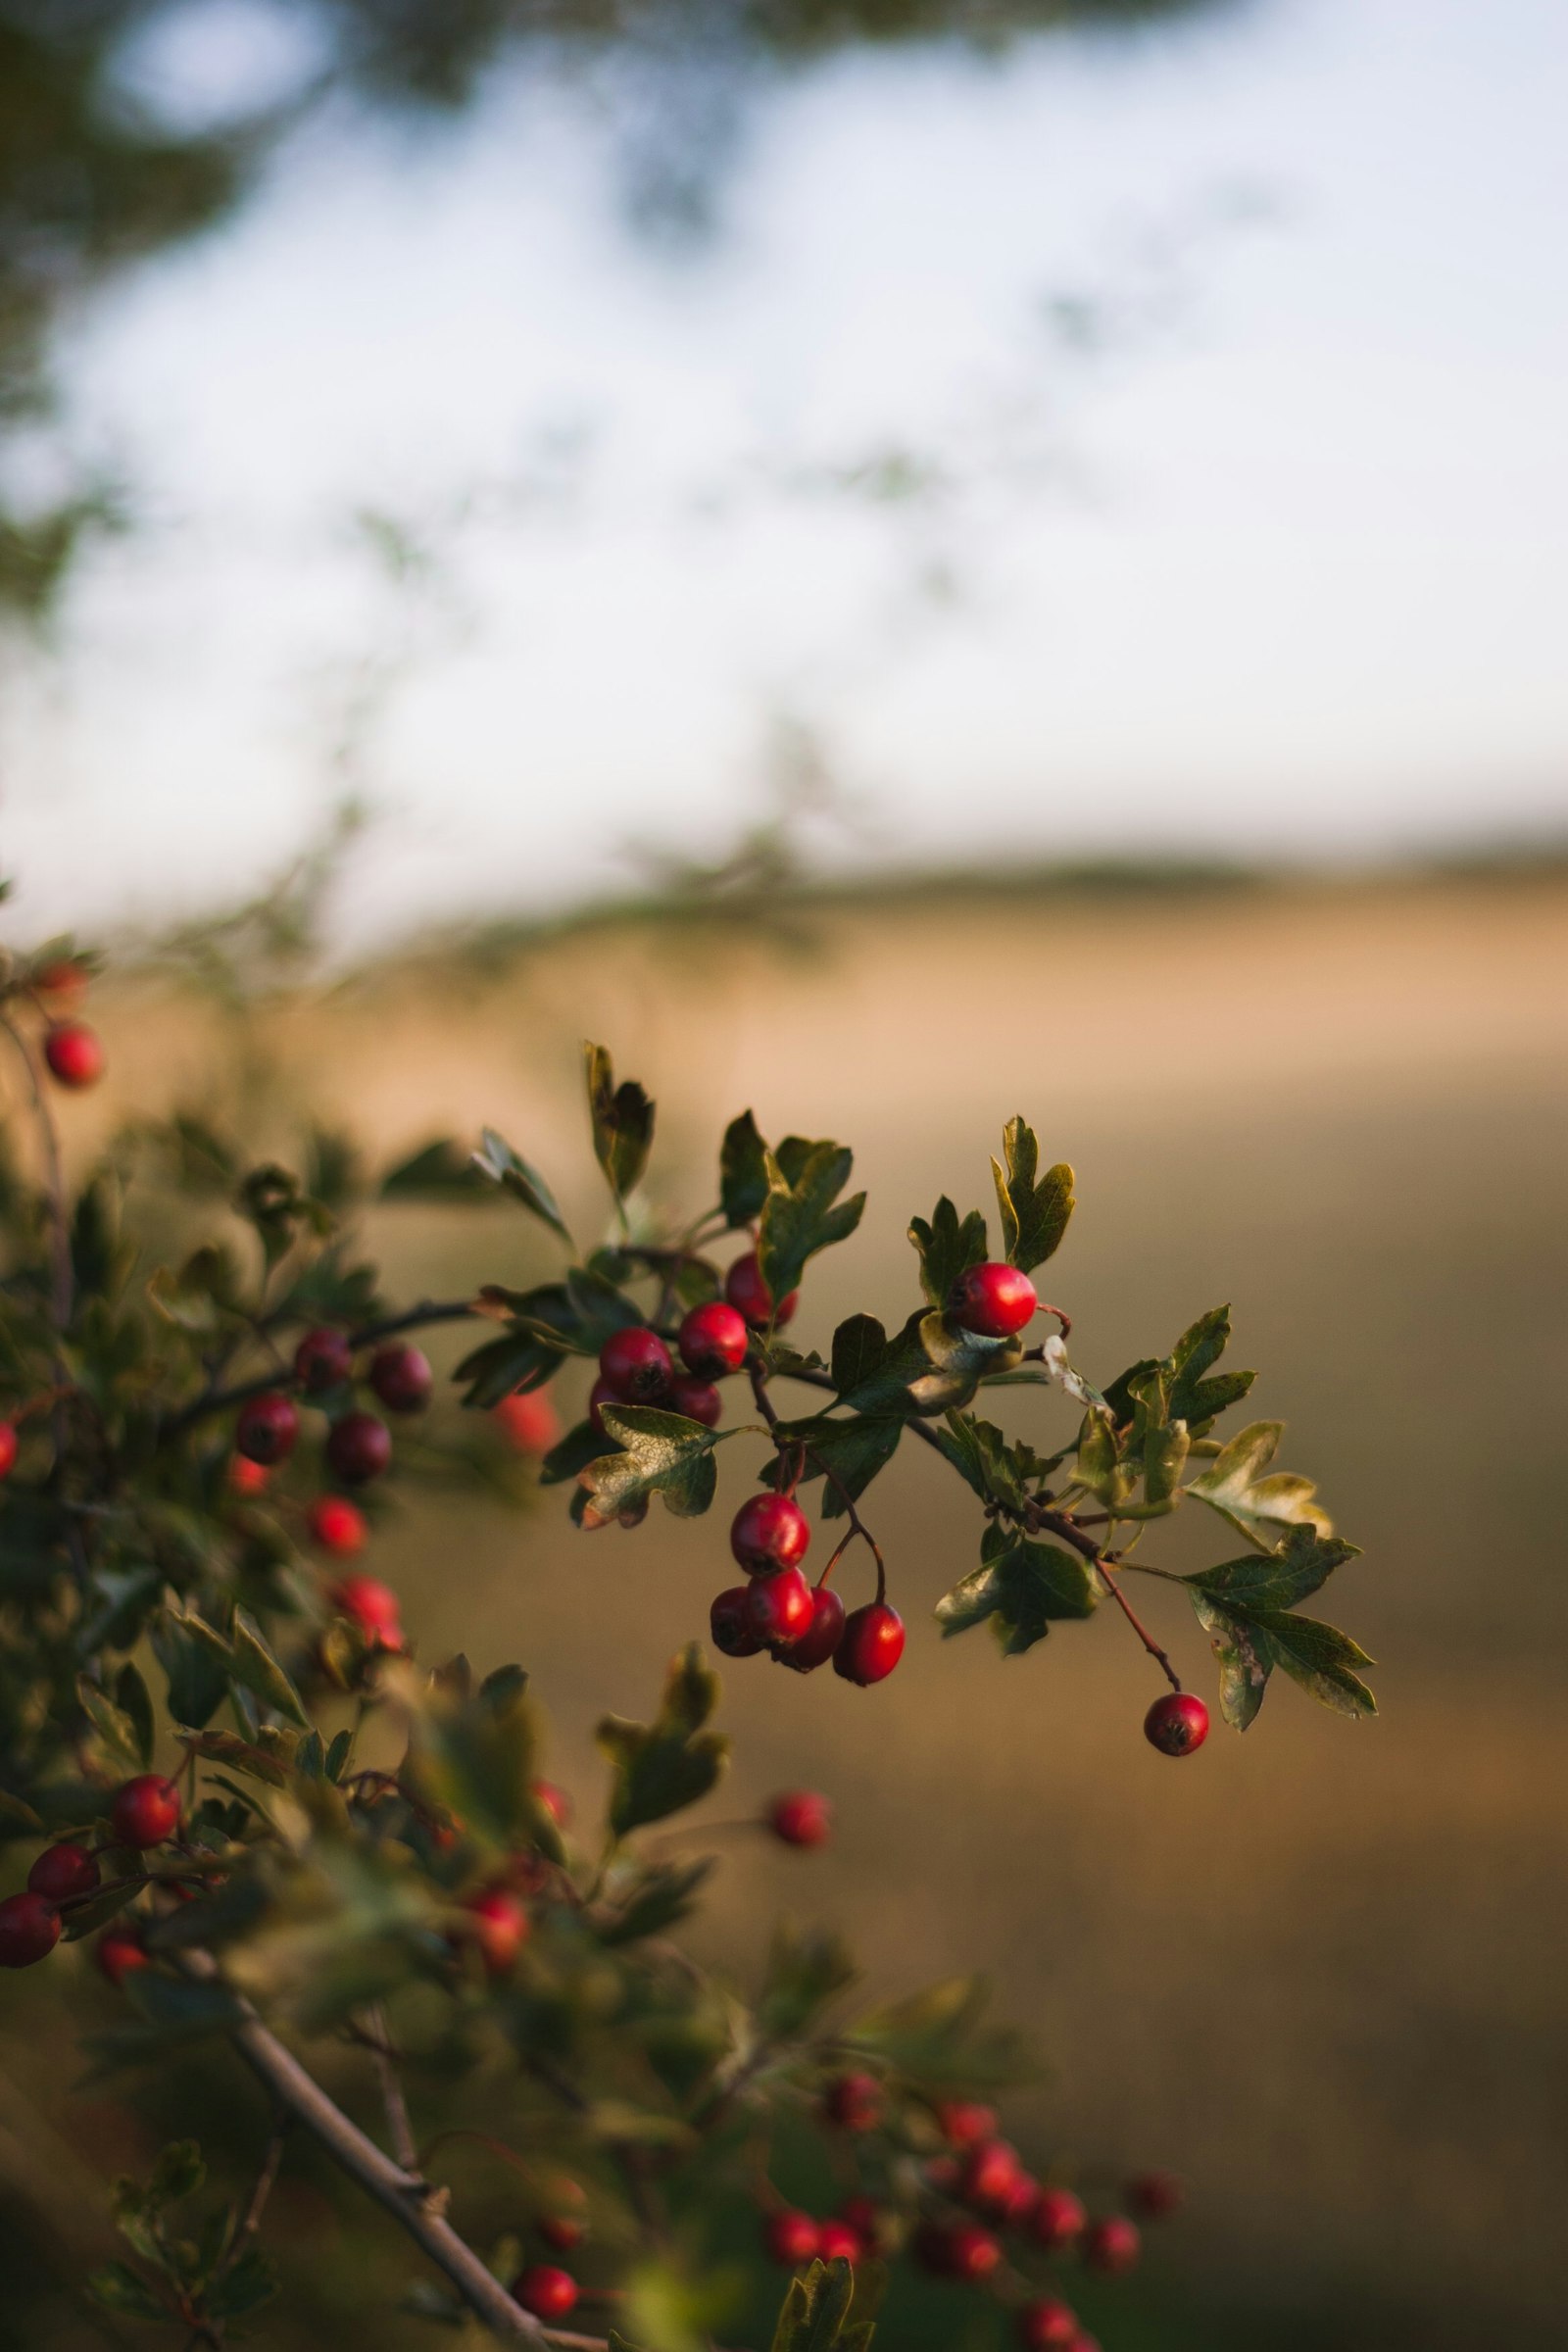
359,1445
143,1813
801,1625
497,1922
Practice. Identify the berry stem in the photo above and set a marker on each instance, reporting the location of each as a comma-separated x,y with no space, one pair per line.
858,1527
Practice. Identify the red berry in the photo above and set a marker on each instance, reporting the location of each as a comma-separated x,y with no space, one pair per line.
1059,2220
964,2123
500,1928
854,2102
989,2175
74,1053
993,1300
872,1644
8,1447
712,1340
371,1606
791,2237
801,1818
751,1296
729,1621
1047,2325
1085,2343
1176,1724
359,1447
972,2252
336,1523
266,1428
119,1952
145,1811
63,1871
836,2241
636,1363
697,1399
770,1532
1021,2202
780,1608
556,1803
529,1421
1153,2194
245,1477
543,2290
822,1636
1111,2245
323,1359
402,1377
561,2232
29,1930
601,1394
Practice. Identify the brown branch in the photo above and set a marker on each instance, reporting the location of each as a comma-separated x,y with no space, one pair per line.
400,2130
1037,1520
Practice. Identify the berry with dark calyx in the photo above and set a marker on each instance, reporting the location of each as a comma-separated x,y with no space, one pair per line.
373,1607
528,1421
1176,1724
712,1340
989,2175
697,1399
872,1644
29,1930
801,1818
964,2123
556,1803
1047,2325
1057,2221
359,1447
323,1359
8,1447
499,1928
780,1608
62,1872
993,1300
751,1298
836,2241
821,1636
119,1951
266,1428
245,1477
144,1811
549,2293
637,1365
972,2253
1153,2195
791,2237
75,1056
729,1621
402,1377
336,1523
770,1532
854,2102
1111,2245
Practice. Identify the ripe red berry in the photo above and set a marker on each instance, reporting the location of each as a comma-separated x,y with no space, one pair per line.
836,2241
8,1447
1057,2221
1083,2342
74,1053
712,1340
780,1608
371,1606
972,2252
801,1818
993,1300
636,1363
730,1623
145,1811
989,2175
770,1532
557,2229
791,2237
751,1296
1152,2194
323,1359
821,1636
119,1952
359,1447
29,1930
1048,2325
697,1399
543,2290
529,1421
964,2123
245,1477
63,1871
872,1644
556,1803
1111,2245
266,1428
402,1377
336,1523
1176,1724
500,1928
854,2102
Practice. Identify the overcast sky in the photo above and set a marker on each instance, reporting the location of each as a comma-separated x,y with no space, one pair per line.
1277,563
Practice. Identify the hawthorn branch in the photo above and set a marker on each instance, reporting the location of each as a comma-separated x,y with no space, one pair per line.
413,1318
1041,1521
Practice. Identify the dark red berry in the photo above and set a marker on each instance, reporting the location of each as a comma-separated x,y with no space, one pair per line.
636,1363
993,1300
729,1621
1021,2200
402,1377
266,1428
1152,2194
801,1818
1048,2325
245,1477
836,2241
1111,2245
854,2102
972,2252
780,1608
1083,2343
29,1930
543,2290
697,1399
359,1447
557,2229
751,1296
712,1340
336,1523
529,1421
964,2123
770,1532
8,1447
556,1803
1176,1724
989,2175
74,1053
63,1871
145,1811
1057,2221
373,1607
601,1394
872,1644
791,2237
499,1928
822,1636
323,1359
119,1952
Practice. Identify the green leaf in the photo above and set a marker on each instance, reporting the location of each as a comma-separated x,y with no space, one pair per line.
519,1360
477,1756
1276,1580
574,1452
178,2172
245,2286
134,1701
664,1454
662,1767
807,1969
940,2038
800,1217
241,1755
1193,1399
997,1471
111,1724
854,1451
1262,1507
1099,1465
860,1350
1249,1643
623,1122
508,1168
254,1667
887,1387
742,1171
664,1894
116,2285
1033,1215
1023,1586
196,1675
948,1247
440,1170
957,1362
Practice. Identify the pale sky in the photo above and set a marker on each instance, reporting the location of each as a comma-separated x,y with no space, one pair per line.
1280,569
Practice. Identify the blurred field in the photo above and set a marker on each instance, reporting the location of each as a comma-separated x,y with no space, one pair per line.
1320,1972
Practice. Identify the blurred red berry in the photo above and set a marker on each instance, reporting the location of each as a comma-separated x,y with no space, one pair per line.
371,1606
29,1930
1048,2325
1111,2245
500,1928
74,1053
712,1340
547,2292
336,1523
1153,2195
1176,1724
1059,2220
801,1818
529,1421
836,2241
751,1296
972,2252
791,2237
359,1447
854,2102
556,1803
989,2175
119,1952
964,2123
145,1811
636,1363
323,1359
245,1477
871,1645
63,1871
266,1428
557,2229
8,1447
402,1377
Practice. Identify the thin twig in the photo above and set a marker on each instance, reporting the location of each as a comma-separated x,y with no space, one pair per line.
219,1400
404,2147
